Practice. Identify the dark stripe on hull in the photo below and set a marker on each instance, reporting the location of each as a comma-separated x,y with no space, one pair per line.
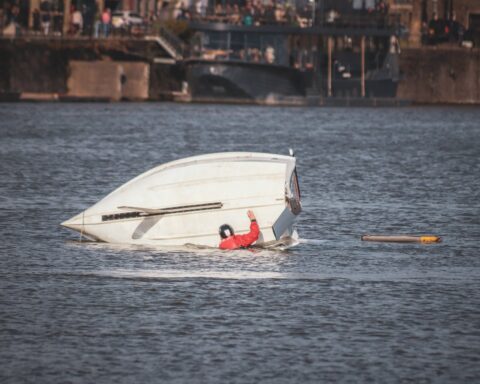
147,212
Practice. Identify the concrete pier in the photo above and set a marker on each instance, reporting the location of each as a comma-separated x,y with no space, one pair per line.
111,80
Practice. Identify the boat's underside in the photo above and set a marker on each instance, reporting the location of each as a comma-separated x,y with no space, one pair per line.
186,201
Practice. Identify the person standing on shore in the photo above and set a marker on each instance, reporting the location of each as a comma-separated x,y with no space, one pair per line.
232,241
77,22
106,20
36,21
45,16
97,20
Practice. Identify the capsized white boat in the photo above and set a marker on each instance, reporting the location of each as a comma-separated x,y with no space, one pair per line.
186,201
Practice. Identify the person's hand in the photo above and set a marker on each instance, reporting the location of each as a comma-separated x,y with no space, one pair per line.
251,215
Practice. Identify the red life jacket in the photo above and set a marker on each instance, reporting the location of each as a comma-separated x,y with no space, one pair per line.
241,241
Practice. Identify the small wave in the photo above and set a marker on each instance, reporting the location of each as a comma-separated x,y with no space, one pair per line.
147,274
158,274
312,241
185,274
187,248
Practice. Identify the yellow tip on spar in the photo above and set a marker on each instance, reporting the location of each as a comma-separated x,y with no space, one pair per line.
402,239
430,239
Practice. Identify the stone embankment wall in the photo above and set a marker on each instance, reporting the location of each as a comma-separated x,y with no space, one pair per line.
109,69
436,75
117,69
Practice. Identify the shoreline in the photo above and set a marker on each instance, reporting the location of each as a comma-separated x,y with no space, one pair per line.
354,103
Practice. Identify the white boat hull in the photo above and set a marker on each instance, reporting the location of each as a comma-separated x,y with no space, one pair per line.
186,201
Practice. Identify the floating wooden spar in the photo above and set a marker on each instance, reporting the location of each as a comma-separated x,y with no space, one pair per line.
402,239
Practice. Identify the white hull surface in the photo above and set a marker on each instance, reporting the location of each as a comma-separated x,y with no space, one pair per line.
186,201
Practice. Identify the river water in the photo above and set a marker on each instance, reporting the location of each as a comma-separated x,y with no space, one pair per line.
332,309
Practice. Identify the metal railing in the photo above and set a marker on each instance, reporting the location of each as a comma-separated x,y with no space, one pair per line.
281,15
177,45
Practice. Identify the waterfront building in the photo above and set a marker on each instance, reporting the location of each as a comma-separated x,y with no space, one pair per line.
415,15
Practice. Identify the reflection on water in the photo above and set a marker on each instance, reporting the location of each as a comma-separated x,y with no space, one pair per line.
186,274
331,309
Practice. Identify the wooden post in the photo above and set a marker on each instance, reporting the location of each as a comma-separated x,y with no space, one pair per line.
363,66
329,87
66,16
414,37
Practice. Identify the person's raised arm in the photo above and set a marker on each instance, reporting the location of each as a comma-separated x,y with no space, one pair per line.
249,238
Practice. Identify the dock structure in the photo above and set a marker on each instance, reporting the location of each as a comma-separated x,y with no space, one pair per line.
331,54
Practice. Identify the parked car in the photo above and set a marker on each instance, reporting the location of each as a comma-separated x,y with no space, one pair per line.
442,31
438,31
126,19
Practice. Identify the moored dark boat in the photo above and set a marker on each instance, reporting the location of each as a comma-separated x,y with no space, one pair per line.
236,81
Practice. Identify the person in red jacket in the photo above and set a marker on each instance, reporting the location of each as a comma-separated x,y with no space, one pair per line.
232,241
